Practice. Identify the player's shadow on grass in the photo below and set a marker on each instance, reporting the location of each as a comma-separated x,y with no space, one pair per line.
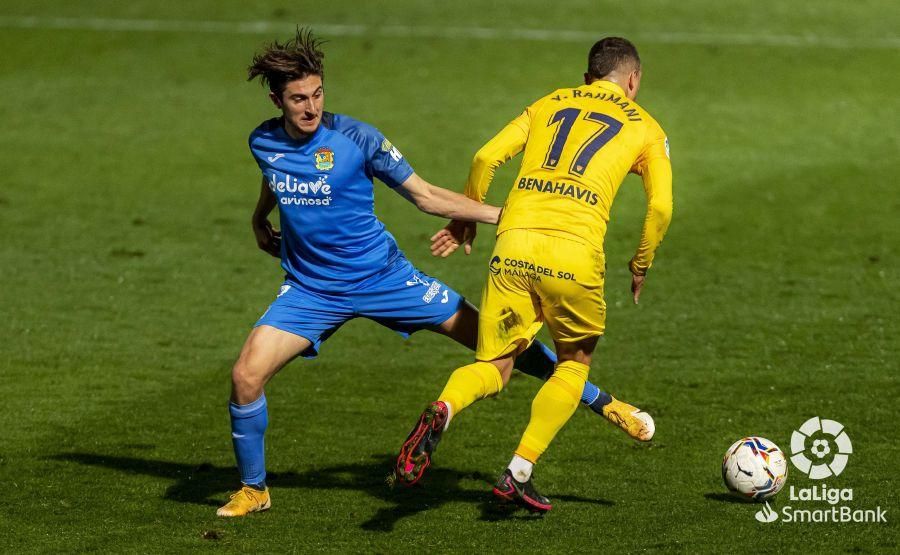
204,483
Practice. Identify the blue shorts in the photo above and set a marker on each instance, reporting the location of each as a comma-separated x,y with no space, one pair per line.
399,297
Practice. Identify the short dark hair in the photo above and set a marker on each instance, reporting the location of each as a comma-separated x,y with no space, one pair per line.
279,64
609,54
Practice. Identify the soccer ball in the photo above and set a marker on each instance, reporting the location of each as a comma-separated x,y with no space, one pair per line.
754,467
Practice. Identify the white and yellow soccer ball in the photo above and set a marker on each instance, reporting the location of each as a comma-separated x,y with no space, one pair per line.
754,468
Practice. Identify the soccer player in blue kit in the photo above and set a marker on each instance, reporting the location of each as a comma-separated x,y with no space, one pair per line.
340,262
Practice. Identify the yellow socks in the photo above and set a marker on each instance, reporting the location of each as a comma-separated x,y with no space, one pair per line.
552,407
469,384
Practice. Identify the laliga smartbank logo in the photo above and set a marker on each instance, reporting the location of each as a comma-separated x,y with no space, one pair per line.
821,448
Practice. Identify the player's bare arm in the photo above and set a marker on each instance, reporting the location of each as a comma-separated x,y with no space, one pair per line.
438,201
502,147
268,238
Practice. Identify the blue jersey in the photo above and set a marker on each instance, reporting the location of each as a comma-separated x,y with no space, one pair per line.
331,239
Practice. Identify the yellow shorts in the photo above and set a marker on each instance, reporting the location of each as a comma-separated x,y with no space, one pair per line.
536,278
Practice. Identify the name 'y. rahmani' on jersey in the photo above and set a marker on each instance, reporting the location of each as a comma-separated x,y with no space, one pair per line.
579,144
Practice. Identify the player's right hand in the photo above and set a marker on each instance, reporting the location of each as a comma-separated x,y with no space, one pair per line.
456,233
268,238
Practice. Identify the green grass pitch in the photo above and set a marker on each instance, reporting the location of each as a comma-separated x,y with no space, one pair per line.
129,276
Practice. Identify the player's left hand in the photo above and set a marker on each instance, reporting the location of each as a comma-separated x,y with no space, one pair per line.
268,238
637,282
456,233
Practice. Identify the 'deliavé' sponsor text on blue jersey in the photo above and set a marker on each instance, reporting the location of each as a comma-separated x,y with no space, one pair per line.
331,238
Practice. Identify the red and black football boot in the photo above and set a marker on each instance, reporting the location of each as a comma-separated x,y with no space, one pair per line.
521,493
415,455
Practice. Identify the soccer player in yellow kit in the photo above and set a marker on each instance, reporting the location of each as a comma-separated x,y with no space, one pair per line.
548,263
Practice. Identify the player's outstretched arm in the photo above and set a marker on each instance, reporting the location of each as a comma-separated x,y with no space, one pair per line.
438,201
268,238
500,149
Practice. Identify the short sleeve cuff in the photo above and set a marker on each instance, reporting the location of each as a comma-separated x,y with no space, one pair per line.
399,176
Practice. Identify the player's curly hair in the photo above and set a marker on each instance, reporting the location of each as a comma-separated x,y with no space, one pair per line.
279,64
611,53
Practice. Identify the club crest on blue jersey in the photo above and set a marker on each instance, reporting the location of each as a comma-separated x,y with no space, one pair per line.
324,159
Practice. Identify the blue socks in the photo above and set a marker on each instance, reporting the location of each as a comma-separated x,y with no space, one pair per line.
590,394
539,361
248,428
593,397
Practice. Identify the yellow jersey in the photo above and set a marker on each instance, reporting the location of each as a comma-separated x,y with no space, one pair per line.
579,145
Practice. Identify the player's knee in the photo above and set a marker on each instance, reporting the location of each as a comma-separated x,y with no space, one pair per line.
505,367
247,379
577,351
505,374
